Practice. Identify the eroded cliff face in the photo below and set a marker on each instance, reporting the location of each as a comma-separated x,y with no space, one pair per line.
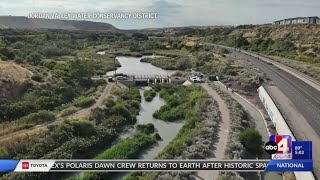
300,34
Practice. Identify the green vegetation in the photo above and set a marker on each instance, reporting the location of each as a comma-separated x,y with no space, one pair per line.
193,102
62,61
37,77
83,138
128,148
179,101
69,111
195,139
146,128
252,141
239,123
149,94
120,113
4,153
169,63
84,102
291,44
38,117
125,149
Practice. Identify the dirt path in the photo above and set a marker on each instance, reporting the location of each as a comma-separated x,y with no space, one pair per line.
86,111
223,133
43,127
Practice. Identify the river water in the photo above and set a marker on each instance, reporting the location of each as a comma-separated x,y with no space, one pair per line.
132,65
167,130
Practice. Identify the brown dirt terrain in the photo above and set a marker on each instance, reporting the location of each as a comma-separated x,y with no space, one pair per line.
302,34
11,77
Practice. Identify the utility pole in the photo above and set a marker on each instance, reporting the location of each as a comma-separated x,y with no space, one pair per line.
115,70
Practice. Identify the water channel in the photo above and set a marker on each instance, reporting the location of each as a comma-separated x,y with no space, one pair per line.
167,130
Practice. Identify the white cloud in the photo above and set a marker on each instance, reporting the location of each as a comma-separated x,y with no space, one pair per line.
174,12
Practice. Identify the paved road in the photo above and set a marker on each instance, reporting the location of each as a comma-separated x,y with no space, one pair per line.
309,108
297,123
301,97
223,133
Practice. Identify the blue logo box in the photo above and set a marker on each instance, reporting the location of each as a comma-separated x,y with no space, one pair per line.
301,149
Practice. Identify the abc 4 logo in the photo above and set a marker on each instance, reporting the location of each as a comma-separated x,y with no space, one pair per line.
279,147
271,147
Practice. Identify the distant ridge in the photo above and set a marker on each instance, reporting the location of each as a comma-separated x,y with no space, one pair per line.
21,22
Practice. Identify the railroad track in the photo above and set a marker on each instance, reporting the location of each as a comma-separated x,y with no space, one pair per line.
313,101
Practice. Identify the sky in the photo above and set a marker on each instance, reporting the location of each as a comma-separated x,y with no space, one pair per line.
172,13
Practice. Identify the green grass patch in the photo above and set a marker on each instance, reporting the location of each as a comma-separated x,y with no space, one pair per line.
179,101
163,62
128,148
38,117
84,102
69,111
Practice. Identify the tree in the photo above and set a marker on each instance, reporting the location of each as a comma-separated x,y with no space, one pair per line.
183,64
7,52
34,58
140,36
18,45
81,68
2,44
134,47
252,141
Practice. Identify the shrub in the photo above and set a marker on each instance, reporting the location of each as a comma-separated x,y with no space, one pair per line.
135,104
177,73
49,64
37,77
3,153
4,58
34,58
115,121
157,137
231,72
18,60
134,94
82,128
125,149
252,141
149,94
84,102
128,148
109,102
38,117
146,128
69,111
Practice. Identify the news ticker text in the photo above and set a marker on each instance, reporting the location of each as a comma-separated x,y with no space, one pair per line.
153,165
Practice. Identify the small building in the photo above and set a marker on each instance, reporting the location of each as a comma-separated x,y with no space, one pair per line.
298,20
187,83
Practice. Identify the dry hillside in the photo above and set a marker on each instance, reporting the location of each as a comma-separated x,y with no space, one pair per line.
11,77
300,34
